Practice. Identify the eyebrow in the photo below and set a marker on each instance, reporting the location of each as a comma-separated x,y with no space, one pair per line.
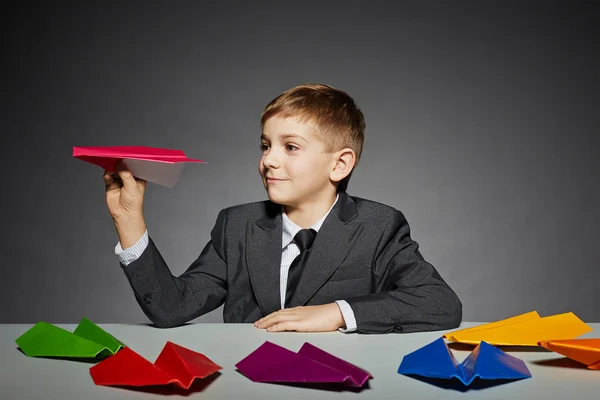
286,136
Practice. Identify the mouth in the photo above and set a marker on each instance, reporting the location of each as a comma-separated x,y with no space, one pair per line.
271,180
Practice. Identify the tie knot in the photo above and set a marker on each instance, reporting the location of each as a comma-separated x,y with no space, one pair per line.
305,238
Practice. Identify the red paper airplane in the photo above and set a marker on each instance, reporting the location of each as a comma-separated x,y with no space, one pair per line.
160,166
175,364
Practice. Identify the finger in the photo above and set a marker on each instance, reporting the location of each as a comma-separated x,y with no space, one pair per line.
108,178
278,319
108,174
264,322
278,312
263,319
268,317
127,177
120,166
285,326
141,184
111,182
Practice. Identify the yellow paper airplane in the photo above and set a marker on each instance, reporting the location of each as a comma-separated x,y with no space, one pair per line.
586,351
523,330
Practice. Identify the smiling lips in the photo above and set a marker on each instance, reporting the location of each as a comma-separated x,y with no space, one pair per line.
274,180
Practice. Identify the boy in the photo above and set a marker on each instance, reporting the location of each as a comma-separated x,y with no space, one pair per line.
311,258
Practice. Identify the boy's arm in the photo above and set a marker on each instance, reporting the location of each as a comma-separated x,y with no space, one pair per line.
170,301
348,317
130,254
411,295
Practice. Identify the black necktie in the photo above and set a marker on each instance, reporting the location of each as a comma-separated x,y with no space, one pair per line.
304,239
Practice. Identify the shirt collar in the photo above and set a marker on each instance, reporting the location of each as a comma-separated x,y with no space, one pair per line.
290,229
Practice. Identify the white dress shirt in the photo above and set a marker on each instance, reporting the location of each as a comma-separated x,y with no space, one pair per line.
289,252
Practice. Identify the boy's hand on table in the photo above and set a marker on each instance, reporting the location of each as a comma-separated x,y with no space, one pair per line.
324,318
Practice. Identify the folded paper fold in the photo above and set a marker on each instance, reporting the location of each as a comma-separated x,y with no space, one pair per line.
175,365
160,166
273,363
585,351
485,362
523,330
87,341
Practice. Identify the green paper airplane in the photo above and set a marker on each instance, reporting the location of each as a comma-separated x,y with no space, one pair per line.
88,341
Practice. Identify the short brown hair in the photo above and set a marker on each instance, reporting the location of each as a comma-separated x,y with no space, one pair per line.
341,122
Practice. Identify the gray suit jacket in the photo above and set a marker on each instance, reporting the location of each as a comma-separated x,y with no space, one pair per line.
363,254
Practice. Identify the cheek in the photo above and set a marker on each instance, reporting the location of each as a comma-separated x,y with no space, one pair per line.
296,168
308,171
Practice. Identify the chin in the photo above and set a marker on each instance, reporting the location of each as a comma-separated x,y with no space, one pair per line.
279,198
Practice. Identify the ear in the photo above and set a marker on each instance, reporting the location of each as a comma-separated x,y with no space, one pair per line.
343,163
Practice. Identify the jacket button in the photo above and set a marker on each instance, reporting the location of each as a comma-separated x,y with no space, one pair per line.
148,298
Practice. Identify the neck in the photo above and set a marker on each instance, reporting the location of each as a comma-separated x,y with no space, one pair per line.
307,213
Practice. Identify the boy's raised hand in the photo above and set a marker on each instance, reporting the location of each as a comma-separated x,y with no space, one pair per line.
324,318
125,199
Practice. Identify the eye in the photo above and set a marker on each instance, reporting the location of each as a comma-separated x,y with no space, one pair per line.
264,147
291,147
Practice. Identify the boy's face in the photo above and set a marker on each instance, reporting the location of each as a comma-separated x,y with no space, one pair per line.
294,166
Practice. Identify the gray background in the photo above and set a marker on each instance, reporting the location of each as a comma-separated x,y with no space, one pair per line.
482,127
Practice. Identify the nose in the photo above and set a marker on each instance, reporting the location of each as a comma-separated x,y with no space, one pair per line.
270,159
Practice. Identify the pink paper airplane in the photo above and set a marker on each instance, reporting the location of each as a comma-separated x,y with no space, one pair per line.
160,166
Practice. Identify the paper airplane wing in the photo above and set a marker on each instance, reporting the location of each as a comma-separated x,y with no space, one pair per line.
160,166
94,154
585,351
127,368
47,340
490,363
90,331
273,363
184,364
434,360
524,332
533,315
358,377
486,362
175,365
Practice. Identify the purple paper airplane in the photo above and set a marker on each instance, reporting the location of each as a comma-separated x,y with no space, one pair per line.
273,363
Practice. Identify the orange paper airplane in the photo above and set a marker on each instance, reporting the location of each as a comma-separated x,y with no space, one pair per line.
586,351
523,330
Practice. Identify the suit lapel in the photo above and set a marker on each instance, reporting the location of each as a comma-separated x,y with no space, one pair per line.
335,238
263,257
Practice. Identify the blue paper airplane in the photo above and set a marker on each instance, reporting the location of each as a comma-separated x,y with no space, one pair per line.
486,362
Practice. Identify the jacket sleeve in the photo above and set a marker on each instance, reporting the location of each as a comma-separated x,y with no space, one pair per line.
411,295
170,301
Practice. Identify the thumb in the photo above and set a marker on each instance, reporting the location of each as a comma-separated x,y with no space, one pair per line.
142,184
126,176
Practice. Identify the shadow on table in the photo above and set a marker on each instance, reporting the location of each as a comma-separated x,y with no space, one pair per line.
506,349
91,360
328,387
151,325
198,385
455,384
562,362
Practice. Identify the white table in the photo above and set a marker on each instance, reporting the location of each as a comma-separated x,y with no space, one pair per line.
22,377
